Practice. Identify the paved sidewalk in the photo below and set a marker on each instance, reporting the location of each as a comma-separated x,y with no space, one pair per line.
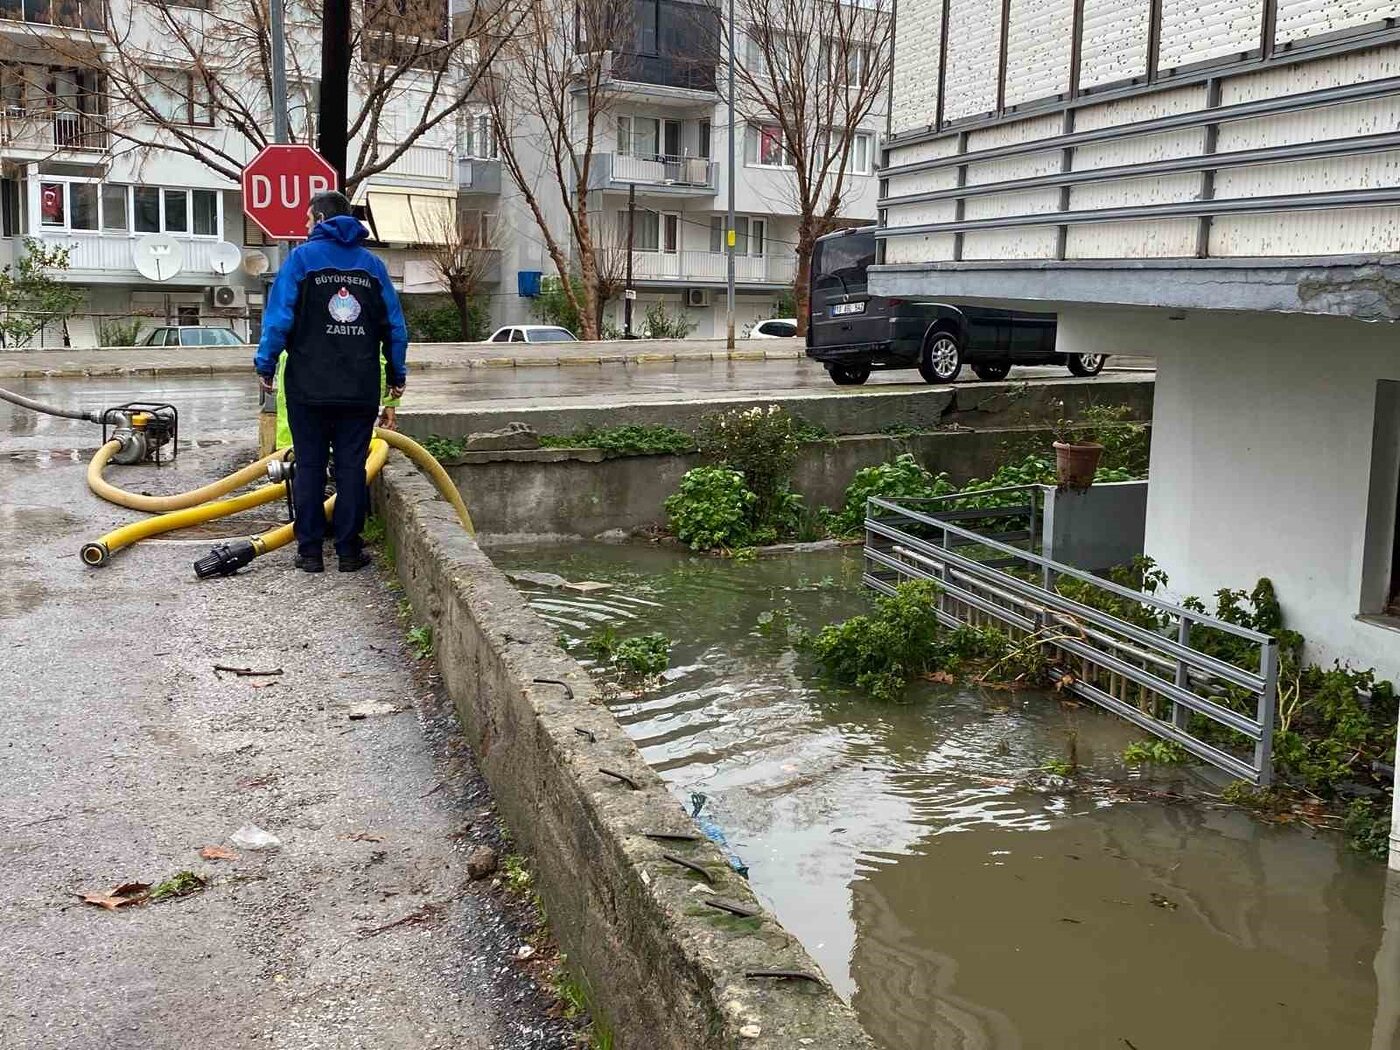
224,360
126,753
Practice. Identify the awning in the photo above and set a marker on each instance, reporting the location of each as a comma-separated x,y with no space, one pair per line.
413,217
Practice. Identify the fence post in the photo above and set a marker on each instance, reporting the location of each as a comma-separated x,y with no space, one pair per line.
1268,702
1180,713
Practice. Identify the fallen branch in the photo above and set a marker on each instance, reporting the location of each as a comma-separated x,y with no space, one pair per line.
246,672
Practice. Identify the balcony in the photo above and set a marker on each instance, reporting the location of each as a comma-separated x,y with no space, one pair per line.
105,258
692,267
39,135
668,71
476,175
656,173
419,164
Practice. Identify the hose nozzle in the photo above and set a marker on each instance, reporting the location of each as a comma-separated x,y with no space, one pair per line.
224,560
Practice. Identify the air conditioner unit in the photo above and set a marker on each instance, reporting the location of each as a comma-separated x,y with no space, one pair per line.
227,297
697,297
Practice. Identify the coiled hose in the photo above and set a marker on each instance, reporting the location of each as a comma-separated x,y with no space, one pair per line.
179,501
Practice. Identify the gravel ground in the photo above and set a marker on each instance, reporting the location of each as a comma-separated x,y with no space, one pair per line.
125,754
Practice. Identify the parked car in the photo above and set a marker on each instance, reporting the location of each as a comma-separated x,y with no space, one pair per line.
775,328
853,332
532,333
193,335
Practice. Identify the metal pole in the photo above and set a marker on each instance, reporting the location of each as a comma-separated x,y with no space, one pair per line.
627,292
733,175
276,23
334,117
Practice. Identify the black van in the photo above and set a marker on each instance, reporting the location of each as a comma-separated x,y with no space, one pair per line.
852,332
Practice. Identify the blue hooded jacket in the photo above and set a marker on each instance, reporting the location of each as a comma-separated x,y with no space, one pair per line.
334,310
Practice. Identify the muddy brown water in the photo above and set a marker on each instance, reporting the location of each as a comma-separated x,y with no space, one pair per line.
958,896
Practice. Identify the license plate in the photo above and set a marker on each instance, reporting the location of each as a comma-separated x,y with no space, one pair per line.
841,309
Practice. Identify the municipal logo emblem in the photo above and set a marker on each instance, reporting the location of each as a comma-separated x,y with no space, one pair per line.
344,307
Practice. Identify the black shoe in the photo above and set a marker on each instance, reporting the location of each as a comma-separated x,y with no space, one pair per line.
310,563
354,562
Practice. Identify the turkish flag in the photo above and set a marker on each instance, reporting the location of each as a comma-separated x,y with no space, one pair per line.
51,203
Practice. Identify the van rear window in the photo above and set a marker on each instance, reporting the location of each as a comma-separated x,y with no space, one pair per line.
849,256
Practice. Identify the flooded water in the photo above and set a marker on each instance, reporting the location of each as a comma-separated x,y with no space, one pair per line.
957,897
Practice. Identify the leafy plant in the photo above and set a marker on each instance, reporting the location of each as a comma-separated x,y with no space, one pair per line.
1155,752
711,509
903,478
433,322
1058,767
443,448
552,306
880,653
762,445
662,325
515,873
181,884
32,295
639,440
121,331
420,640
1367,827
644,656
1125,442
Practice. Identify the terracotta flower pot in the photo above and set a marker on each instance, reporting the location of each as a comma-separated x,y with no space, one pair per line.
1075,464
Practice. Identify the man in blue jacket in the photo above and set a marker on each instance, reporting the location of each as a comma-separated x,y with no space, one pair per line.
334,311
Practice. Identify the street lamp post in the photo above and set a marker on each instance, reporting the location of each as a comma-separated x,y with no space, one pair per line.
729,224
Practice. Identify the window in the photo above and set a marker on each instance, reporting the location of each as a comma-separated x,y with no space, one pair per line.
187,315
763,45
114,208
758,228
552,335
705,139
9,207
750,235
646,230
764,148
82,201
517,335
177,97
862,156
846,61
670,234
481,142
177,212
638,136
146,208
206,212
502,336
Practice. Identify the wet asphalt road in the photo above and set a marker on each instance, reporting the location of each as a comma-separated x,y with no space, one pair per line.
220,408
124,754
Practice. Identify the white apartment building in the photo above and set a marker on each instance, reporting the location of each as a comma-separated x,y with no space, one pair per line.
70,176
665,134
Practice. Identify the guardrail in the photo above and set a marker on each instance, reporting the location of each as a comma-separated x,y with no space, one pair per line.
1145,670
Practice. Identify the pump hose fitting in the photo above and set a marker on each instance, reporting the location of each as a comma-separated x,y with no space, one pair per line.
225,559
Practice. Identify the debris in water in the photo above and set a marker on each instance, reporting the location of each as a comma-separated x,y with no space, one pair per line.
126,894
1163,902
252,837
587,587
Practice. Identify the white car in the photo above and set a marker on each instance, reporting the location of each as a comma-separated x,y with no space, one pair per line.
775,328
532,333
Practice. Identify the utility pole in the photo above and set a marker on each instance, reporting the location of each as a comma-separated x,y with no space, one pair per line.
729,224
628,294
276,22
334,114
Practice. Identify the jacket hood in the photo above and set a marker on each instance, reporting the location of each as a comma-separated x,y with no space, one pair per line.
344,229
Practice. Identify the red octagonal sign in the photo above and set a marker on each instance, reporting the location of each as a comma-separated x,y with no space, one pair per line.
278,185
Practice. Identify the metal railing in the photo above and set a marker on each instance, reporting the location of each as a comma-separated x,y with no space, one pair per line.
1145,669
663,169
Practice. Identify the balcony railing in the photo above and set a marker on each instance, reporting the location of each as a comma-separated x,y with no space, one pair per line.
62,130
433,163
110,253
694,175
478,175
712,266
691,74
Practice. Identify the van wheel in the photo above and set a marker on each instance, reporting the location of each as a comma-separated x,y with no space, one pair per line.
1086,364
991,371
849,375
941,360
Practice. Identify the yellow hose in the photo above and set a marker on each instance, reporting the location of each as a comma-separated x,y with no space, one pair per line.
268,542
97,552
430,466
180,501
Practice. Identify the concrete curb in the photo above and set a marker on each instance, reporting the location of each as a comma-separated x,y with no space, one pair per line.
571,361
665,971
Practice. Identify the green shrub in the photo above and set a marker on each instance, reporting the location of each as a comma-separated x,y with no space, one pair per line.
662,325
122,331
552,306
901,479
443,448
637,658
880,653
762,445
1155,752
433,322
626,440
1126,443
711,509
1367,827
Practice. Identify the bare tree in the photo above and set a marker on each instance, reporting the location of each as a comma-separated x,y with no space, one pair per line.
463,259
197,80
548,94
808,74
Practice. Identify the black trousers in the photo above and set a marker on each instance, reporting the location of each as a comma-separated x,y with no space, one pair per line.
316,429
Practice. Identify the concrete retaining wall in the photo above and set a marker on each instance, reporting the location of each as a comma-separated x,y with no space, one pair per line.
667,972
581,492
839,410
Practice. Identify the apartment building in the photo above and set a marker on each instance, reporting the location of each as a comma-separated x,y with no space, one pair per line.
156,233
664,140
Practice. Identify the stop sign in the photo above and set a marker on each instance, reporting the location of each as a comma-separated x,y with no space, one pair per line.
278,185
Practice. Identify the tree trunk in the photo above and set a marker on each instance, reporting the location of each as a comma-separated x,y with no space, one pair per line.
589,309
462,301
802,278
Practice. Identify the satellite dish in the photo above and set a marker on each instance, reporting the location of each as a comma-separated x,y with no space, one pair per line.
158,256
255,263
225,257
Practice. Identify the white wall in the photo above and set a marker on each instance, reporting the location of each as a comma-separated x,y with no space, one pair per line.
1262,448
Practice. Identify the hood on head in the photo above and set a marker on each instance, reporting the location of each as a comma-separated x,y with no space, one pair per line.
346,229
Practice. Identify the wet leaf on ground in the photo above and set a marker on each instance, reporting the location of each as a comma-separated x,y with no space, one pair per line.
119,896
217,853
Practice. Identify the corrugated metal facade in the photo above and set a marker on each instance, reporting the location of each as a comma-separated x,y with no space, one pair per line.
1199,30
918,32
1037,50
974,55
1115,40
1304,18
